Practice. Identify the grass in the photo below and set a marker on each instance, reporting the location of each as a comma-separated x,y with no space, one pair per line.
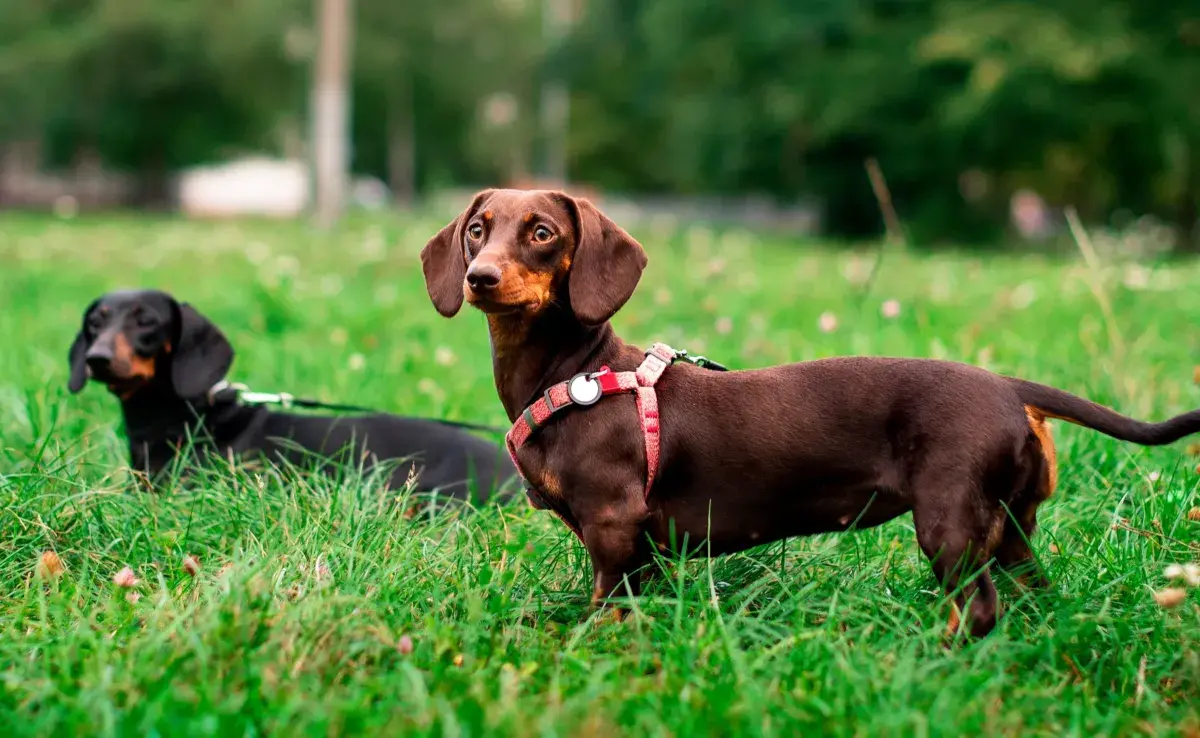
308,586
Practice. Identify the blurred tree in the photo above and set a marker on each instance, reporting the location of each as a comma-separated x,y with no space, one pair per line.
422,71
153,85
1091,103
1084,102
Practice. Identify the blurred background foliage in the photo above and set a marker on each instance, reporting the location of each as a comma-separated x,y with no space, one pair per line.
1091,103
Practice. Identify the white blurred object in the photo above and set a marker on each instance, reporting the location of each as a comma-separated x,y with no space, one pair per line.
277,188
370,193
1030,215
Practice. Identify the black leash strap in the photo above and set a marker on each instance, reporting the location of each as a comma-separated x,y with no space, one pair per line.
224,390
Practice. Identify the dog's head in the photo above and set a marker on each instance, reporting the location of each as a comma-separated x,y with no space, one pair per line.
132,339
520,252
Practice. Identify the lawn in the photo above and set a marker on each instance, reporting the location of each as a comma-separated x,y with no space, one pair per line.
319,609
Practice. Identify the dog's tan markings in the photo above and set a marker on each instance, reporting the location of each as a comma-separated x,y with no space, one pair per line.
1041,429
488,215
537,285
127,365
955,620
995,532
521,286
1045,414
551,484
143,368
528,217
139,367
615,614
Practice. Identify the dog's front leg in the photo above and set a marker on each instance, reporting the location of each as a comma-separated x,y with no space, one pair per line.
614,543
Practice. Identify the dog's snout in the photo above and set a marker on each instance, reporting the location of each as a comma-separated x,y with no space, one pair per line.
98,358
483,276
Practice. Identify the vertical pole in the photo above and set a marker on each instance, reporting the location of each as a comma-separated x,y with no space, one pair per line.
331,109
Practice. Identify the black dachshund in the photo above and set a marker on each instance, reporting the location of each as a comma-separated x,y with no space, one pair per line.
167,363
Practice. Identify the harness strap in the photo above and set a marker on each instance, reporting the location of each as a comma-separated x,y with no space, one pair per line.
587,389
226,392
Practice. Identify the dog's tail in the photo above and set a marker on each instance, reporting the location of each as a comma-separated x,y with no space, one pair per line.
1055,403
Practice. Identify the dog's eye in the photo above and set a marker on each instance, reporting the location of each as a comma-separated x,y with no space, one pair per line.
475,232
542,234
95,322
146,321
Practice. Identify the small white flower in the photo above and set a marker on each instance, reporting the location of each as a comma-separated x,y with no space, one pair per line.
827,323
890,309
191,565
724,325
405,645
1189,573
357,362
50,565
1170,597
125,578
321,569
444,356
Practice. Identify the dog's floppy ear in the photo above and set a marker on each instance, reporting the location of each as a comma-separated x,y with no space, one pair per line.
607,265
77,356
201,354
445,263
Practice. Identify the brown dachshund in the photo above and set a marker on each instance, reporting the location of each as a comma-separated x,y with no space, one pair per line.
745,457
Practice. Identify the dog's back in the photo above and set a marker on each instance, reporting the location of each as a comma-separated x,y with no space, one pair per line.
441,456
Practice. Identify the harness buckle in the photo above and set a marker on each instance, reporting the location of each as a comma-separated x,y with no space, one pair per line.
663,352
550,401
701,361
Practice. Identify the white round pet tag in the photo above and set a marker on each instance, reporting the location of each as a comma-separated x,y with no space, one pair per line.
583,390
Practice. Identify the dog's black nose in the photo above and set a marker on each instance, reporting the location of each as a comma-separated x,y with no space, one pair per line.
98,359
483,276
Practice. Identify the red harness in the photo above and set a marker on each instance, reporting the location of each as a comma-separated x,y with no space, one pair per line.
585,390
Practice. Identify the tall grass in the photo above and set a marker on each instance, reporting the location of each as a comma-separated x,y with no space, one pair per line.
318,607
